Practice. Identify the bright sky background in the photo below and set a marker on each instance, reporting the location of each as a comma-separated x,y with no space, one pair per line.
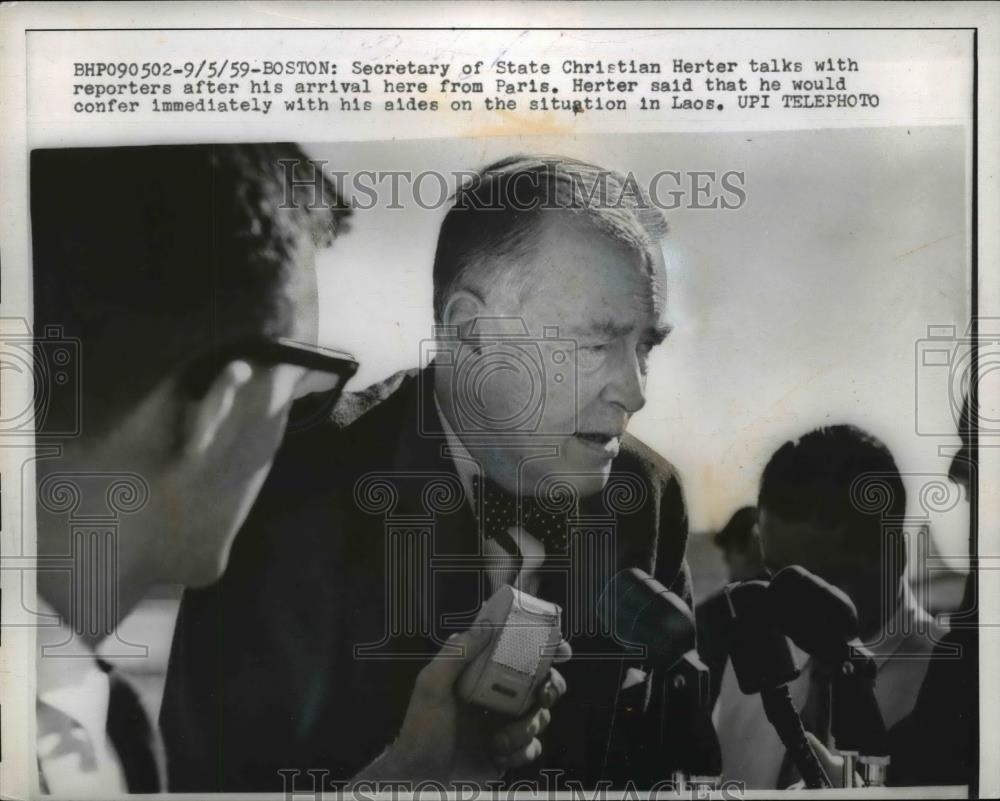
804,307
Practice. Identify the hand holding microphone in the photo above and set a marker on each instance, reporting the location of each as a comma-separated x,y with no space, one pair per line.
505,676
444,736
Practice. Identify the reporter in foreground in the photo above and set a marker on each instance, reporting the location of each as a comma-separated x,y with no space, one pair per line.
186,287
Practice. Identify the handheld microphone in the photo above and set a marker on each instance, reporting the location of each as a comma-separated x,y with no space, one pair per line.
763,664
505,677
822,620
639,610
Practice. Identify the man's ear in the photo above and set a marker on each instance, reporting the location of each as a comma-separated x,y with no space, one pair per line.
461,312
205,417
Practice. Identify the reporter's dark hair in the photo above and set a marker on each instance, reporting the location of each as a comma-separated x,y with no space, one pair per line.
151,255
837,475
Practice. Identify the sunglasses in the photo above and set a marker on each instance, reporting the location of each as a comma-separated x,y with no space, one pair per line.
202,371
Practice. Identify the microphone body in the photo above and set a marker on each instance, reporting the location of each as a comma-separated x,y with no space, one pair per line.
822,620
640,611
506,676
763,664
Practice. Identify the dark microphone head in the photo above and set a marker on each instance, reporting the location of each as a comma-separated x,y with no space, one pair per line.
819,618
641,611
759,652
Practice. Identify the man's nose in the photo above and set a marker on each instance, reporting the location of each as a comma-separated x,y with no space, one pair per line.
626,385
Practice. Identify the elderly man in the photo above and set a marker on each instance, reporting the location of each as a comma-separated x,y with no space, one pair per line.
185,285
504,461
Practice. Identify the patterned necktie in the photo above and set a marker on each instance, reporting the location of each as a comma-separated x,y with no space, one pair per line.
546,519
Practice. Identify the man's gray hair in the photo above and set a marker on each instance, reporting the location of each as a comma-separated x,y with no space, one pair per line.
495,215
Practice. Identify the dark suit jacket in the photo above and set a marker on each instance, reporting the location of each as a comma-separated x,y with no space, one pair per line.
304,655
937,743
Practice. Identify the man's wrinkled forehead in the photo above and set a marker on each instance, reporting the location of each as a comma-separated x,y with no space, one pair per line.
570,263
645,270
625,236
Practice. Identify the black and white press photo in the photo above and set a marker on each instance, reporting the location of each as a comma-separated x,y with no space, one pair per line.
507,407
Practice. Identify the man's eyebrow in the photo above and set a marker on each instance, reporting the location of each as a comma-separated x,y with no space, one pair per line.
612,330
660,332
608,328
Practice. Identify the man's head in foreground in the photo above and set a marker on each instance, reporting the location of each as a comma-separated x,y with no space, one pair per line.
187,275
826,503
550,288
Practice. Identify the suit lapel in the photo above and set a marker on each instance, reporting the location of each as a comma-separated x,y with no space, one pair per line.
432,497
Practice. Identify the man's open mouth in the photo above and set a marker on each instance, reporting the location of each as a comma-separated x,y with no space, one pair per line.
595,438
604,446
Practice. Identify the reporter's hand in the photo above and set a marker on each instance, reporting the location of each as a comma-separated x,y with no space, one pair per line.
832,763
444,739
517,744
437,726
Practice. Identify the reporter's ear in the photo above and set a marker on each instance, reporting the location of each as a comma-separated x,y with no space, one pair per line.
205,417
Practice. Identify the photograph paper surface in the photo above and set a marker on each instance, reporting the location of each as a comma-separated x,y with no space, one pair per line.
492,399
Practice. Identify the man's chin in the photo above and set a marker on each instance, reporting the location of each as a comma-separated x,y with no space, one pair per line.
205,575
585,480
592,485
208,568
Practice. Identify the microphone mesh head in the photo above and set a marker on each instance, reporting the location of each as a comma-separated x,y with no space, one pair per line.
819,617
521,641
641,611
759,653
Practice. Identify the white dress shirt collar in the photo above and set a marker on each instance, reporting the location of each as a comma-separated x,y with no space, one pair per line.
465,464
75,755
